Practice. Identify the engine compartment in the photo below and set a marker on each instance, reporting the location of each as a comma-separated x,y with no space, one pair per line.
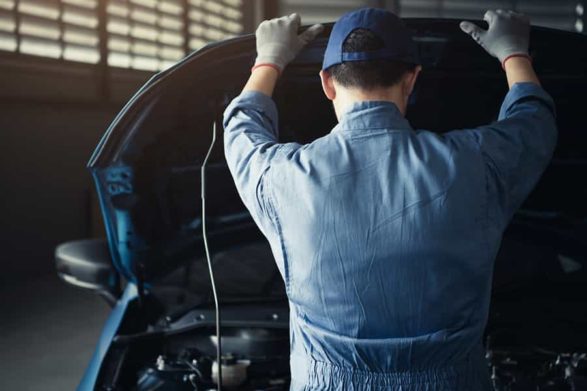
255,358
180,354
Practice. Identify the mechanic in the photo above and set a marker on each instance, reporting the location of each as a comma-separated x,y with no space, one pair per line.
385,235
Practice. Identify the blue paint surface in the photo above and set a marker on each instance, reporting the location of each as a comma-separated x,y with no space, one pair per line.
113,322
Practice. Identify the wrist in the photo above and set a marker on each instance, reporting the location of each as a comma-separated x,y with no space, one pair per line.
263,79
270,60
516,59
519,69
266,66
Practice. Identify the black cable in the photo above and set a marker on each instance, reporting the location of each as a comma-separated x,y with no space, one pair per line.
205,238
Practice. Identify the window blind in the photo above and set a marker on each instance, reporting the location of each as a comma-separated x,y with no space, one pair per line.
212,20
140,34
52,28
145,34
154,34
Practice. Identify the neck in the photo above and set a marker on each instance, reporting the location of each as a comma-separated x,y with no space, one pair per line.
346,97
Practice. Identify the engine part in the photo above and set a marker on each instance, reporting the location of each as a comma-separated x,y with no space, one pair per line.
234,372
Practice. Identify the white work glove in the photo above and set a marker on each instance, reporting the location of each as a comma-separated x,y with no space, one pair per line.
278,41
508,34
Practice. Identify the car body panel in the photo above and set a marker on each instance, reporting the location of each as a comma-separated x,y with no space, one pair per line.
108,333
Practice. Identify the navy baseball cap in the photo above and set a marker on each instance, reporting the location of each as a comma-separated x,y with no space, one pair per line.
397,39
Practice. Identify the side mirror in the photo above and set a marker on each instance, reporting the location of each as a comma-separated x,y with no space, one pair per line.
87,264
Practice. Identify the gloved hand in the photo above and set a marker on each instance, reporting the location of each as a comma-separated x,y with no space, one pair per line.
278,41
508,34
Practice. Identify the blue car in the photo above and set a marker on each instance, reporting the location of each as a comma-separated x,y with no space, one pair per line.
152,267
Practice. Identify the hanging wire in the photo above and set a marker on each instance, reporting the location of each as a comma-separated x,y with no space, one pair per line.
210,270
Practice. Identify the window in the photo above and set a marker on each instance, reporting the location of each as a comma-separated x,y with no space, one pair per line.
145,34
64,29
140,34
213,20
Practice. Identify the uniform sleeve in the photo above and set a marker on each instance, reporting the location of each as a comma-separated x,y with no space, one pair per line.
517,147
251,147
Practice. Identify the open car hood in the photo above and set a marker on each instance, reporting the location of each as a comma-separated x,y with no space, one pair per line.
147,166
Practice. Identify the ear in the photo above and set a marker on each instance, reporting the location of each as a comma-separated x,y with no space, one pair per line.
328,85
410,80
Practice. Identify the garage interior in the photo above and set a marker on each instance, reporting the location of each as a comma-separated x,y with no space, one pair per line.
67,67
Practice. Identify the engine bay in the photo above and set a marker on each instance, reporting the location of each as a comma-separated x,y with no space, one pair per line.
255,359
256,355
180,354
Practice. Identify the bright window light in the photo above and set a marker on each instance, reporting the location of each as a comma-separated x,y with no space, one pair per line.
141,34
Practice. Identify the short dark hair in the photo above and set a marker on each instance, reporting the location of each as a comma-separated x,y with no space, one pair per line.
367,75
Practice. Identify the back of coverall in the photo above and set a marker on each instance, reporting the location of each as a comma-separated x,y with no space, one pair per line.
386,236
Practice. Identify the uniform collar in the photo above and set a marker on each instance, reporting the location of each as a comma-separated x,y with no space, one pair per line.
372,114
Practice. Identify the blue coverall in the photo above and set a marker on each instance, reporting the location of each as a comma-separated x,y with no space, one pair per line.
386,236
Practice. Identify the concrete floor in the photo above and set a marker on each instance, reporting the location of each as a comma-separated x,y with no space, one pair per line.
47,334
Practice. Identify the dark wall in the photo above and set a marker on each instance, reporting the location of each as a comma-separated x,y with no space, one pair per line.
52,115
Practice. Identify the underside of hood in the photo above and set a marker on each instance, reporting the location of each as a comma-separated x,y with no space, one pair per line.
147,166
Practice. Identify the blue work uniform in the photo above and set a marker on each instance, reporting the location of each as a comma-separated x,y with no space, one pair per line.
386,236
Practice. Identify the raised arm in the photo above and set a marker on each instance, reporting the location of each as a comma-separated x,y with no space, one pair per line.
518,147
250,121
